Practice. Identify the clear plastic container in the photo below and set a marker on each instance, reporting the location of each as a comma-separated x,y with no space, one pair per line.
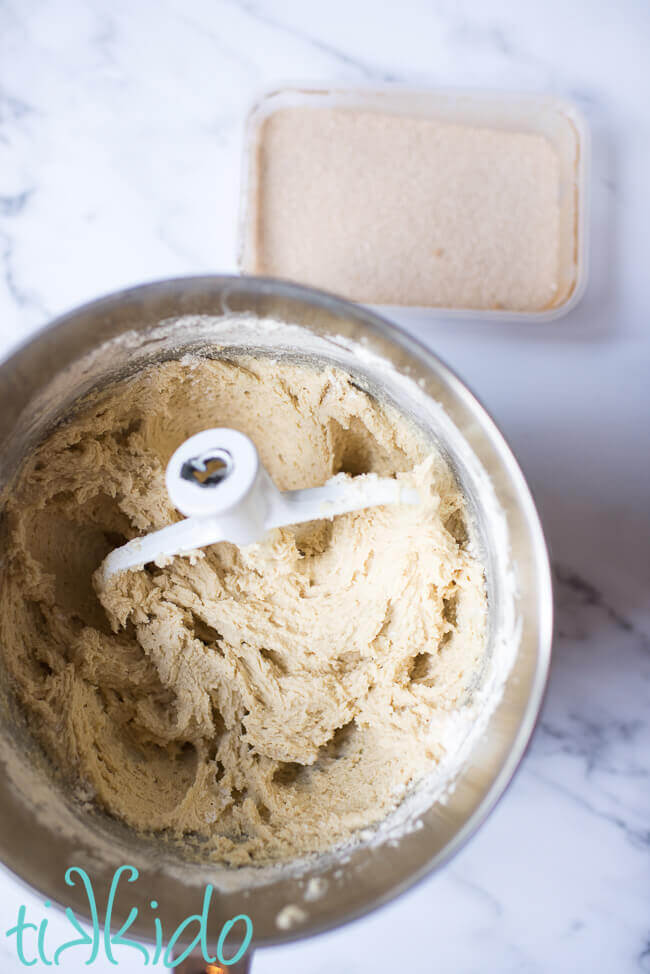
555,118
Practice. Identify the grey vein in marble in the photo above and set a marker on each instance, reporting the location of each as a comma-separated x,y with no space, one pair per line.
368,71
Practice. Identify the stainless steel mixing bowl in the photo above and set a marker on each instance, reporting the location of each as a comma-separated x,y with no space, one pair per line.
77,353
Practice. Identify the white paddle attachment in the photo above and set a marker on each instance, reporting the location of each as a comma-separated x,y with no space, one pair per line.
217,481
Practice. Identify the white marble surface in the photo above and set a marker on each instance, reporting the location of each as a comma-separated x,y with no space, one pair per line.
120,139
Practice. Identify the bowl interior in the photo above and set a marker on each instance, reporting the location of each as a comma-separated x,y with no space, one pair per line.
42,833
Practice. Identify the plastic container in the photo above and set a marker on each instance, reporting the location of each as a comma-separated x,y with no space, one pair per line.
555,118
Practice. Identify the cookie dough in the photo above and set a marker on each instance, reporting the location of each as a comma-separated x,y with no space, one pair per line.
265,701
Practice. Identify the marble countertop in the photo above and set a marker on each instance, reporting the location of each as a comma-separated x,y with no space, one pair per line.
120,147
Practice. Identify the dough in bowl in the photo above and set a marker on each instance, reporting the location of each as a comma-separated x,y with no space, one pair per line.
269,701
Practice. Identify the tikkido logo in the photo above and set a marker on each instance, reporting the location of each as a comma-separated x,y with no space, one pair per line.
31,940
